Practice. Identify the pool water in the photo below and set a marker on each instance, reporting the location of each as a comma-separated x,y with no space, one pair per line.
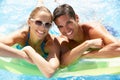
14,14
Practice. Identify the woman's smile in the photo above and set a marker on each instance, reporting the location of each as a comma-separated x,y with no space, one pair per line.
40,33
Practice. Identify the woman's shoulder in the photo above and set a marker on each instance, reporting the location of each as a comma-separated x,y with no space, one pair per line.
19,36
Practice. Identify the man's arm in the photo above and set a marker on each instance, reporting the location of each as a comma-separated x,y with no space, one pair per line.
111,44
75,53
109,51
97,31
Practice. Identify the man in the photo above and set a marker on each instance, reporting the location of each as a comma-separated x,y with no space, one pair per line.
85,40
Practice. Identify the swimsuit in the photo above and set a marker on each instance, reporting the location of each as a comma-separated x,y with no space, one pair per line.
45,54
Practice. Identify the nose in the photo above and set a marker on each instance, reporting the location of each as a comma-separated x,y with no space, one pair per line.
42,27
64,30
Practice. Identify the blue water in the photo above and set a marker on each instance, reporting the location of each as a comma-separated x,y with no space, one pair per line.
14,14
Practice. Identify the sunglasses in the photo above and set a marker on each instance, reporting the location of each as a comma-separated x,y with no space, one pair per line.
40,23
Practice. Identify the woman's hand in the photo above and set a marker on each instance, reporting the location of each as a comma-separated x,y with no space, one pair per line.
26,49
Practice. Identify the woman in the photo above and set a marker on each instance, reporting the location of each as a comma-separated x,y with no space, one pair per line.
35,41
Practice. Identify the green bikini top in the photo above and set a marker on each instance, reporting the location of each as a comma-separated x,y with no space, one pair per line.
45,55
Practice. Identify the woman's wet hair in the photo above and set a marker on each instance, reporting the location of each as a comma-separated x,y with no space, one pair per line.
64,9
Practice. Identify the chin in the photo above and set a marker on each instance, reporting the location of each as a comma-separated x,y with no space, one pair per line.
70,37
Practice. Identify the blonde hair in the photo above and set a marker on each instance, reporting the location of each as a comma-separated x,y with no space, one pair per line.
41,8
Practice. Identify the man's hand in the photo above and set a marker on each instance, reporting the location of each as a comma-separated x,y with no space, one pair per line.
95,43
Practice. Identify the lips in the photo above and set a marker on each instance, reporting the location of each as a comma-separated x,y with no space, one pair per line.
40,33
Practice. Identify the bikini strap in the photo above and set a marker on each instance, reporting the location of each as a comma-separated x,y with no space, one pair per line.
43,50
26,43
42,46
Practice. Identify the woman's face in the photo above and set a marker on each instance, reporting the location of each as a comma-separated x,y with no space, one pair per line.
40,24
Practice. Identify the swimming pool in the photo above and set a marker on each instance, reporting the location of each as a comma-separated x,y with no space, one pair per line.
14,14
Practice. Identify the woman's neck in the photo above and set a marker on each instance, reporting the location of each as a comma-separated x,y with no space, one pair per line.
34,41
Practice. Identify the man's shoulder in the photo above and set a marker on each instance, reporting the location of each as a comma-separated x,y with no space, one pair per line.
91,24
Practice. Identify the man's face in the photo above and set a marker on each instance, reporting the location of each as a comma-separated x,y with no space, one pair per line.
67,26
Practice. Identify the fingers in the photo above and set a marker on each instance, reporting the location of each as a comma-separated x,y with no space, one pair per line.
28,50
95,43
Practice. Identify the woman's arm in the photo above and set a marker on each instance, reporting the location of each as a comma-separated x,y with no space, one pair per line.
7,51
46,66
6,41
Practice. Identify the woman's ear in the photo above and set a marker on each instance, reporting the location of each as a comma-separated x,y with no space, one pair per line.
76,18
